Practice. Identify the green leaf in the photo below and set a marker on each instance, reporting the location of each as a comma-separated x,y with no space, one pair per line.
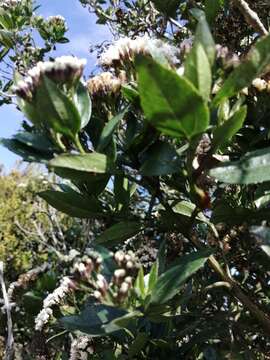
170,282
253,168
3,53
7,38
137,345
122,192
83,103
27,153
139,284
256,61
6,20
198,70
56,109
32,302
123,322
131,94
94,320
262,195
88,163
263,201
204,37
166,99
36,141
153,277
228,129
212,8
263,233
30,112
187,208
224,213
168,7
118,233
201,58
73,203
109,129
96,183
161,159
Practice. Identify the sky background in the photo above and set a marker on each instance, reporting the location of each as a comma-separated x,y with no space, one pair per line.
83,32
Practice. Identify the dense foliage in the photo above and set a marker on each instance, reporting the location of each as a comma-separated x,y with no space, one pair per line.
164,156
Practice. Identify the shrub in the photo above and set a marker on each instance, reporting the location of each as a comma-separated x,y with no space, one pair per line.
166,152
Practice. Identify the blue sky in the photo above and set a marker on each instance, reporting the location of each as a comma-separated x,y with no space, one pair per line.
83,31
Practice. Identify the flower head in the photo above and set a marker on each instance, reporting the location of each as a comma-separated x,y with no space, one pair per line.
64,69
57,23
104,84
7,4
125,49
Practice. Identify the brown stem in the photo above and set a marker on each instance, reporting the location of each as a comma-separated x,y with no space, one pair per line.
250,16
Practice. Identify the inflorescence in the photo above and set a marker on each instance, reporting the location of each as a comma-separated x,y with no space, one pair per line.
65,69
125,49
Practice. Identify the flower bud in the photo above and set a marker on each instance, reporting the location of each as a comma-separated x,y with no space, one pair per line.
128,280
119,275
130,265
119,257
128,258
101,284
124,288
123,292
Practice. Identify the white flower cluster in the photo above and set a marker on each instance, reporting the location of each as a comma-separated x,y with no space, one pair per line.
56,18
58,21
105,84
9,3
43,318
125,49
66,286
62,69
81,348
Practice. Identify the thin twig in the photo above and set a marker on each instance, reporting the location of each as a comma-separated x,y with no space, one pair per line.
250,16
218,284
9,352
176,23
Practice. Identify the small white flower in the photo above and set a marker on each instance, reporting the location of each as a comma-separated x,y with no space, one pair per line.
53,299
81,348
